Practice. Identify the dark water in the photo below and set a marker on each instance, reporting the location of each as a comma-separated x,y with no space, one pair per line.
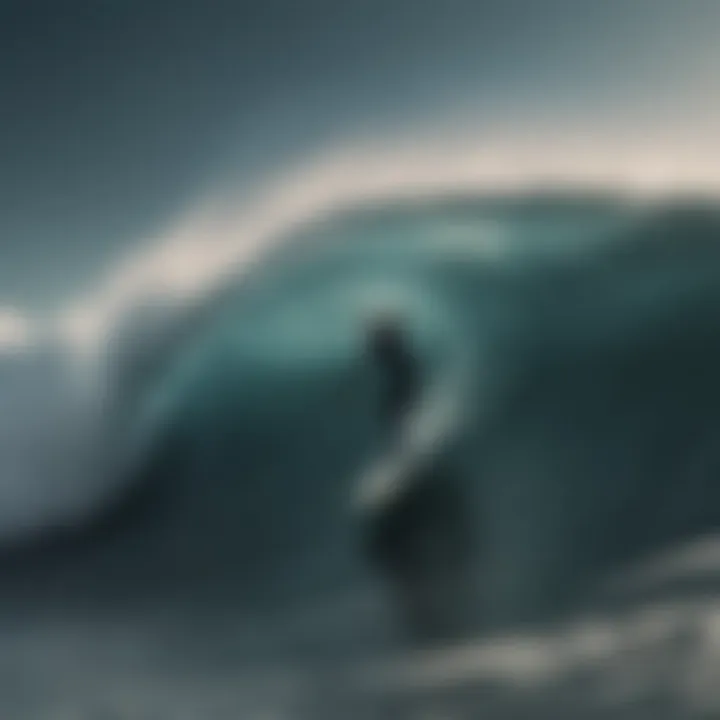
582,341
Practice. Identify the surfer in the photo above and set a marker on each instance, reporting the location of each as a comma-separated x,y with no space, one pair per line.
415,532
392,355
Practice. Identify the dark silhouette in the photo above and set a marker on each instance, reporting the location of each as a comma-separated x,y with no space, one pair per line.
392,354
418,536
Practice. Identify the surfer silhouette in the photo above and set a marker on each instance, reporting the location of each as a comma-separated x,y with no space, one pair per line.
414,528
391,353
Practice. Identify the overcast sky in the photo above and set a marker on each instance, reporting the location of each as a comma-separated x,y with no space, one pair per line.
117,115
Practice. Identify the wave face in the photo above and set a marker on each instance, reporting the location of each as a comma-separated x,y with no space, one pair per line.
589,440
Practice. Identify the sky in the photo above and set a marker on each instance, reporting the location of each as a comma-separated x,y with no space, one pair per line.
120,117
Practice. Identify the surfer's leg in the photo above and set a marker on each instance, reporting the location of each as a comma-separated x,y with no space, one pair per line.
424,552
433,607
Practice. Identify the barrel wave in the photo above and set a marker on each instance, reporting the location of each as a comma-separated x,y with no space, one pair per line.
576,338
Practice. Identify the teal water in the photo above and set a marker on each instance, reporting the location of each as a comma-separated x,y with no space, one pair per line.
577,343
273,401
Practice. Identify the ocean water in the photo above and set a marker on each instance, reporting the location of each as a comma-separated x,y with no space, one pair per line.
571,345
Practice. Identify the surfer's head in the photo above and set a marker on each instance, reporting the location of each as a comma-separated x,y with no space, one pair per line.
385,332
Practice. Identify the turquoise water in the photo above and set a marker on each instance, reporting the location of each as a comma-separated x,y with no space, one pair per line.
271,405
578,345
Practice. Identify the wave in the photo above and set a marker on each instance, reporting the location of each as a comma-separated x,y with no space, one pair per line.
209,385
189,522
